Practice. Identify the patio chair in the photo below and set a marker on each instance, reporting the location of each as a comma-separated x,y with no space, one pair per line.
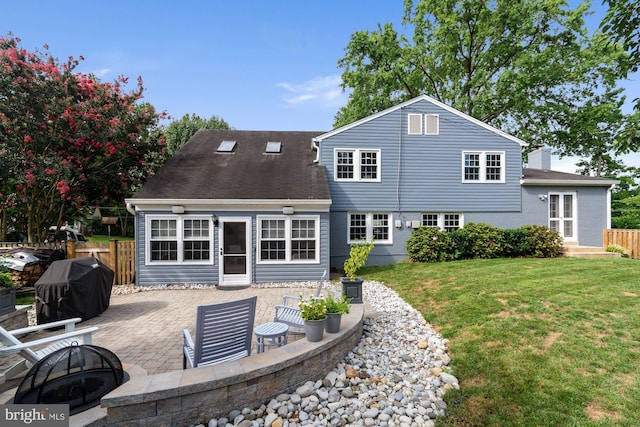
223,332
33,351
289,313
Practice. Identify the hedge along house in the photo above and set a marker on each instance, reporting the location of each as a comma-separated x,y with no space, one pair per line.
234,208
240,207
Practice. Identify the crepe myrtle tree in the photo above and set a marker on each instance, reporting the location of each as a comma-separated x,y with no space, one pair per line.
68,140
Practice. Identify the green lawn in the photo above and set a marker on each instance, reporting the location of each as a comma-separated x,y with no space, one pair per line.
533,342
105,238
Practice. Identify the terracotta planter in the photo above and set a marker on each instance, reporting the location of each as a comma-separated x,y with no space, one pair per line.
352,289
314,330
332,324
7,300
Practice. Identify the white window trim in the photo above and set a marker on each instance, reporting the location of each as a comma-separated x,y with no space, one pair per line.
369,225
356,164
180,239
411,116
287,238
483,167
441,219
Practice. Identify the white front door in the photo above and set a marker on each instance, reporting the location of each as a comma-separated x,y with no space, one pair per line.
234,235
562,215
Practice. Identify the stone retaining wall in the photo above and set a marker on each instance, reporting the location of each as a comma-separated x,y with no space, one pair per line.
195,396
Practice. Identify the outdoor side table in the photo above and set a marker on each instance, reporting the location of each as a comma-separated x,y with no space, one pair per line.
271,334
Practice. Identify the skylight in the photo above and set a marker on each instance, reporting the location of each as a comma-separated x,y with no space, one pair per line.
273,147
226,146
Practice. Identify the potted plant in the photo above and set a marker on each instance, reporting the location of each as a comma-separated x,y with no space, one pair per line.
7,291
352,285
335,309
314,312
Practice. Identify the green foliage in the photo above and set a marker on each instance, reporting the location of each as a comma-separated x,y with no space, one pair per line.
68,140
430,244
180,131
529,68
339,306
485,241
5,276
358,254
616,249
516,242
543,242
312,308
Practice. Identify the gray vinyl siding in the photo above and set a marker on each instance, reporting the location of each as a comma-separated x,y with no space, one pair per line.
151,275
419,174
423,172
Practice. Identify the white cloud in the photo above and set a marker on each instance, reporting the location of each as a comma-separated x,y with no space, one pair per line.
323,90
102,72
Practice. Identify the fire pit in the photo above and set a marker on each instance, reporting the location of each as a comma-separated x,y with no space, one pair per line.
79,376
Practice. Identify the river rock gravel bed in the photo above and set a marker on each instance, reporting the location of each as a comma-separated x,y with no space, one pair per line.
397,375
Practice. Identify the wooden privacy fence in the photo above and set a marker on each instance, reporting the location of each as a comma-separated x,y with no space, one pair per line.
627,239
119,256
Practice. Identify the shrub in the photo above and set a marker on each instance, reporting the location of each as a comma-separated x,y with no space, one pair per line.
429,244
617,249
461,244
358,254
485,241
543,242
516,243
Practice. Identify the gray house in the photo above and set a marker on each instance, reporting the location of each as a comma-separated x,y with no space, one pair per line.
239,207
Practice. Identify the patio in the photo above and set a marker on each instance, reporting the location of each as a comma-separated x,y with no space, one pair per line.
145,328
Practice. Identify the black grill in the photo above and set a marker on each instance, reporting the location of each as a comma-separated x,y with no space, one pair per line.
79,375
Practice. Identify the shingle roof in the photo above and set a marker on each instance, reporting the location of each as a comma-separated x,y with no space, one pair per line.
199,171
547,177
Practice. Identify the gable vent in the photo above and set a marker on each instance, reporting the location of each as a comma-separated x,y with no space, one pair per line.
432,124
226,146
273,147
415,124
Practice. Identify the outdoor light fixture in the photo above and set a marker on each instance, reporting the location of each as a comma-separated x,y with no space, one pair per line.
288,210
177,209
542,197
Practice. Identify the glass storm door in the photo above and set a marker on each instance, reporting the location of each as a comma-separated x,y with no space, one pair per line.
562,215
235,251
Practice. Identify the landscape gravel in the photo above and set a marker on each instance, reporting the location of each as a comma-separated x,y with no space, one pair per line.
397,375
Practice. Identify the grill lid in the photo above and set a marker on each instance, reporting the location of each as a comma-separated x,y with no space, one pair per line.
79,375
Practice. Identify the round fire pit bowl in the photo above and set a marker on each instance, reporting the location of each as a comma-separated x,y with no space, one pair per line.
78,375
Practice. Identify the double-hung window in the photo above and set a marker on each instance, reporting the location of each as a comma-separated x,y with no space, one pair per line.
357,165
368,226
179,239
284,239
483,166
444,221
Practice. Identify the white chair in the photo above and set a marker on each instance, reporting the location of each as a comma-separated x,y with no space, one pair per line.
289,312
223,332
33,351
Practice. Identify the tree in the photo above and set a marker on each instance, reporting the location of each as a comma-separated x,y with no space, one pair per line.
622,23
180,131
68,140
515,65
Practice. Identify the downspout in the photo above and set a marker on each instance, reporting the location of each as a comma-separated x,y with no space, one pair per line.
315,146
399,161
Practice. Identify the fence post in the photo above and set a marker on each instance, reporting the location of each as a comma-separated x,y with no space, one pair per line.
71,249
113,259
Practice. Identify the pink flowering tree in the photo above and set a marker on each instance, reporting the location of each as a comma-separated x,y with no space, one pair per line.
67,140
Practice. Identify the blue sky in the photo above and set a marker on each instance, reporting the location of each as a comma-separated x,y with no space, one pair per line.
260,65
